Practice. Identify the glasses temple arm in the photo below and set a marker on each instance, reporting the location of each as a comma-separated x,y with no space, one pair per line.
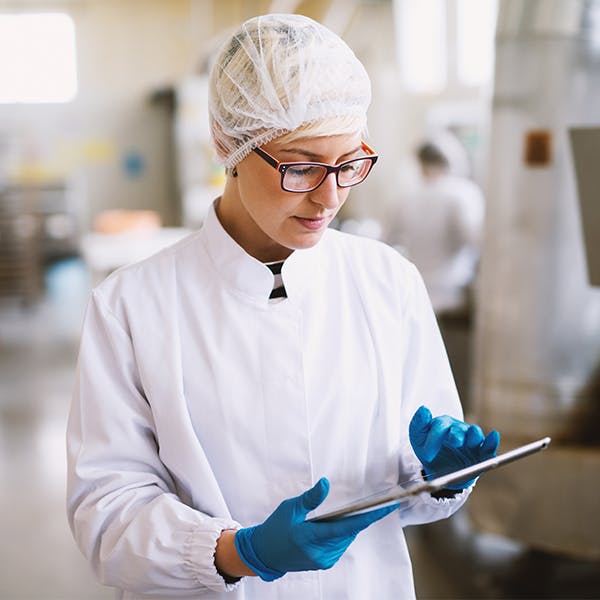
267,157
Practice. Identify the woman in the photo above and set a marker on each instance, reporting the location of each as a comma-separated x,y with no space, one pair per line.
265,358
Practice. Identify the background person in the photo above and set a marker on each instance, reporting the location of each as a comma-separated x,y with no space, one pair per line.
438,226
230,384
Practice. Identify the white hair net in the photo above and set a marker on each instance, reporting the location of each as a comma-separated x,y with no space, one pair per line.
277,73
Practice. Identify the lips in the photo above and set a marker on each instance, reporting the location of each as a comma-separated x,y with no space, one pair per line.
312,223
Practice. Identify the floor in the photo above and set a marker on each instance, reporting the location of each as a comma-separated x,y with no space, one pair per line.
38,558
38,345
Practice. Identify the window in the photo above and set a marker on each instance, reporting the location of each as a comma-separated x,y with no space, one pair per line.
442,43
421,35
37,58
476,23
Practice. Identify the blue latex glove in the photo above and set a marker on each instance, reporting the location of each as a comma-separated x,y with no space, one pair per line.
444,444
287,542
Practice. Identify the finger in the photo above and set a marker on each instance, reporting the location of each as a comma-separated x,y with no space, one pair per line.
491,443
310,499
433,441
420,423
474,437
444,431
455,435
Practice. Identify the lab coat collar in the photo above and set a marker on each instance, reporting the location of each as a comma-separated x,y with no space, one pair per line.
249,276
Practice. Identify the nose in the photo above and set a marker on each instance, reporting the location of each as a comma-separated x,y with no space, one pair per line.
327,194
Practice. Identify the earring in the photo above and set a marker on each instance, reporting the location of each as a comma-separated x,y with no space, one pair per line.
234,172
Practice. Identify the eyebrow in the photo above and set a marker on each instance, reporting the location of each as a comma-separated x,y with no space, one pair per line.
315,157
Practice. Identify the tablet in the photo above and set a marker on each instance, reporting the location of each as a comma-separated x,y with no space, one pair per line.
397,493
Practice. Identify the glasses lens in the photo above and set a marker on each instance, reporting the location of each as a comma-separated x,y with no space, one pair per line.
303,177
354,171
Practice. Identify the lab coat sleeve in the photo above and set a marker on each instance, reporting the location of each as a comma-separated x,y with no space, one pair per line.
122,506
428,381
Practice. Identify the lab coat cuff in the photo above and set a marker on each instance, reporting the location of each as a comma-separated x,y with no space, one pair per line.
457,496
199,554
452,496
449,493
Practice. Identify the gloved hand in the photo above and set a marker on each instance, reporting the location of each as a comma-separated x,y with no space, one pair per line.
444,444
287,542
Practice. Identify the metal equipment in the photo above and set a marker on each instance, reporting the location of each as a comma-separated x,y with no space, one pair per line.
537,370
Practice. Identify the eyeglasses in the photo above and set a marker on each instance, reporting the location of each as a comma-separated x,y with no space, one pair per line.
308,176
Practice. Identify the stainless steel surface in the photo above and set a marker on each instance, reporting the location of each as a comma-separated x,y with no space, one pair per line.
585,146
538,326
537,369
540,17
549,502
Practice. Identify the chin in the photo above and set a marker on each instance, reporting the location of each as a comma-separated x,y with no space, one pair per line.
307,241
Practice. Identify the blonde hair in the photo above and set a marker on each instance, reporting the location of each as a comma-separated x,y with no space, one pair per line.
325,127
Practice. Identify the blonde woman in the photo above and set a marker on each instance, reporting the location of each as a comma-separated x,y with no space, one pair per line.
236,381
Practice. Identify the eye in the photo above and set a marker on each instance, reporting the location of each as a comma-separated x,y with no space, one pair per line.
302,171
352,167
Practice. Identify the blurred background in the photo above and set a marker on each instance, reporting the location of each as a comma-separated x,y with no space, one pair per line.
486,115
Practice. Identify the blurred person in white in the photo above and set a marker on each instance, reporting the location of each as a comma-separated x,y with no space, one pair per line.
439,224
229,384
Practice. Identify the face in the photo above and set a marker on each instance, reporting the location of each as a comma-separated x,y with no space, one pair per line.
270,223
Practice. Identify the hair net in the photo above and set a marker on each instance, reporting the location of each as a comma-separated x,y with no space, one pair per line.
277,73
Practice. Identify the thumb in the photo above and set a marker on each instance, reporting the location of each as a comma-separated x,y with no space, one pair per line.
419,426
315,495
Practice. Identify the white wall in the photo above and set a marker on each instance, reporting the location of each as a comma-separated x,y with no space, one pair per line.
125,51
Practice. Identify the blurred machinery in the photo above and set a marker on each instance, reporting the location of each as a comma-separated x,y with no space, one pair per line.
38,225
537,370
20,246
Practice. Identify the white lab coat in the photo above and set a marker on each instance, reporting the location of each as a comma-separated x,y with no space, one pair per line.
199,405
438,227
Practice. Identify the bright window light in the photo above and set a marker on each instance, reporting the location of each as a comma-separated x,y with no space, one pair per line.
476,24
421,39
37,58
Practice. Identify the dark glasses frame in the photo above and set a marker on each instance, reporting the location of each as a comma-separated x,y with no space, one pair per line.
282,167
